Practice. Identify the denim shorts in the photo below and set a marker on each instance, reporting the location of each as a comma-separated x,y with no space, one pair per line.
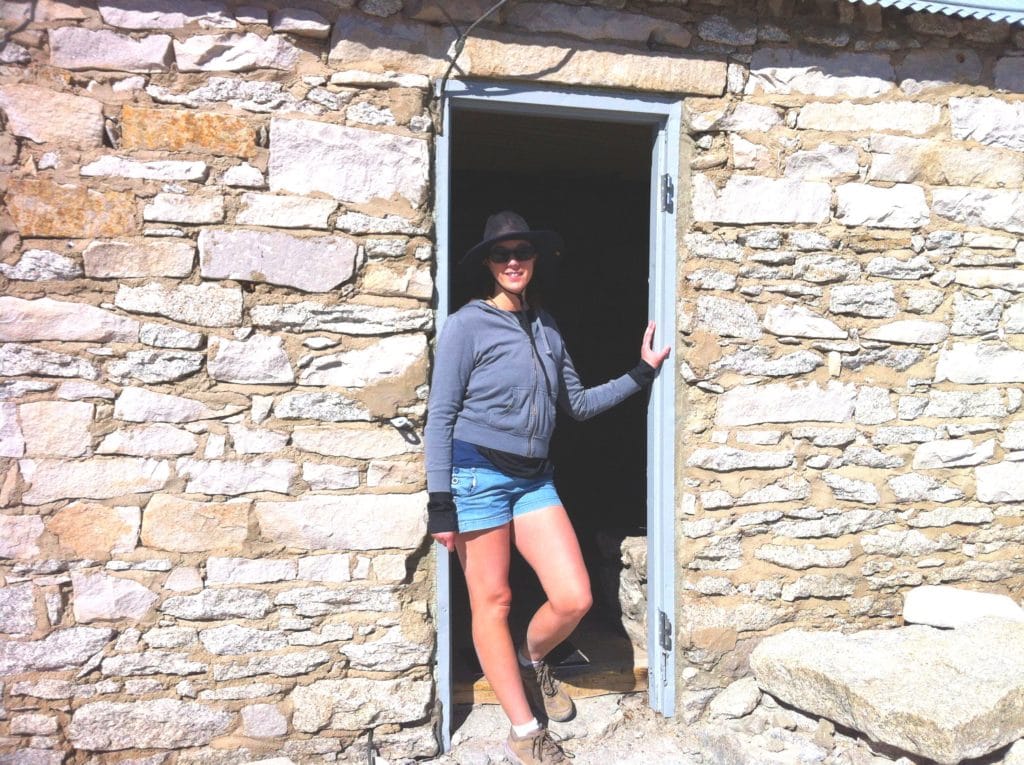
486,499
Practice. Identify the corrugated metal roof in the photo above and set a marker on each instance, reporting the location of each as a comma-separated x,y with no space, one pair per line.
992,10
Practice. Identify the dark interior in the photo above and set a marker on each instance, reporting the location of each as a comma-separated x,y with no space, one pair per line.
590,181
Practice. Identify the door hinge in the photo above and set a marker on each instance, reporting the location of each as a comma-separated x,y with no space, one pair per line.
664,632
668,193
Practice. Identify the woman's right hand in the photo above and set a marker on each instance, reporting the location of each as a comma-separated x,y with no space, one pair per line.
446,538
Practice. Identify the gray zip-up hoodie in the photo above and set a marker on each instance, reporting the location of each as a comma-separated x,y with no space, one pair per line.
491,388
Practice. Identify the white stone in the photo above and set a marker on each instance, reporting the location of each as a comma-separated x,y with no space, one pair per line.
729,318
870,300
246,571
1013,318
902,159
952,607
96,478
343,318
592,23
909,331
979,363
260,359
332,567
851,489
284,211
231,477
301,22
1000,482
359,223
218,604
155,366
352,522
161,723
726,458
394,280
56,428
754,199
392,652
234,53
205,304
990,120
873,406
42,265
355,78
306,156
166,336
973,316
388,358
324,406
179,208
234,639
896,116
991,208
803,557
109,166
824,163
255,441
245,176
106,260
78,48
1011,280
18,609
18,359
950,516
355,702
914,487
19,535
47,116
61,649
902,206
915,268
781,402
353,442
787,70
313,264
320,477
797,321
12,444
142,405
48,319
153,14
98,596
155,440
758,361
265,721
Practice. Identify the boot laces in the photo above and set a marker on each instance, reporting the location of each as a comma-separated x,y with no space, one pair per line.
548,748
546,679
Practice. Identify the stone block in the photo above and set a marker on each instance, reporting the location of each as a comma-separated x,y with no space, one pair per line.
320,477
77,48
351,441
350,522
179,208
305,158
397,281
1009,74
980,363
19,536
158,724
355,703
343,318
246,571
952,607
851,489
803,557
385,360
301,22
99,596
999,482
861,682
312,263
359,42
56,428
139,258
991,208
782,402
758,361
599,24
910,331
728,318
42,265
293,664
895,116
754,199
181,130
930,69
332,567
1011,280
153,170
48,116
18,609
90,530
229,477
282,211
207,305
876,301
726,458
182,525
988,120
232,52
48,319
155,366
914,487
797,321
264,721
323,406
552,60
215,605
787,70
901,206
973,316
255,441
17,359
142,405
824,163
96,478
260,359
391,652
46,209
906,160
12,443
62,649
154,14
234,639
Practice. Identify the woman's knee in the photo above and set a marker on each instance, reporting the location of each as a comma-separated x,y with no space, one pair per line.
573,604
495,602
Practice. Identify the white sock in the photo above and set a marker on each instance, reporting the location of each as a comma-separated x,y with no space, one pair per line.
526,727
526,661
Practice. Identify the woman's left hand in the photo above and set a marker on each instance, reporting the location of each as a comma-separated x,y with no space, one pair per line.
647,352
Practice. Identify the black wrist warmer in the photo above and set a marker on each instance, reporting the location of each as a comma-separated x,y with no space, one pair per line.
643,374
441,513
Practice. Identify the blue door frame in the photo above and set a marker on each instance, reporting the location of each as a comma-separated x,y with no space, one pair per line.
664,116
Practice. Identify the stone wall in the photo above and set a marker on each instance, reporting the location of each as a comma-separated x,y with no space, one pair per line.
222,558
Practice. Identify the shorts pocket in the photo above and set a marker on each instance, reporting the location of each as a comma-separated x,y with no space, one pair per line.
463,481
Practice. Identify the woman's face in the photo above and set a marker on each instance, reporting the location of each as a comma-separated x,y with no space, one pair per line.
515,274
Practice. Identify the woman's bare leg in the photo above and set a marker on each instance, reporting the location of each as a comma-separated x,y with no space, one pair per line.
485,560
547,540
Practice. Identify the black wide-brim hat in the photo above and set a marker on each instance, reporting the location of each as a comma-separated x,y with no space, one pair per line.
509,225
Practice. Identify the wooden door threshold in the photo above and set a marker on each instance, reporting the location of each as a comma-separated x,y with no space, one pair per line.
580,683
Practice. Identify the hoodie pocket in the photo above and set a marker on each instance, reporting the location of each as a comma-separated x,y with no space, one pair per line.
515,413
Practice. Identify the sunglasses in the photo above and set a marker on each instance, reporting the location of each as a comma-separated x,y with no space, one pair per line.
521,252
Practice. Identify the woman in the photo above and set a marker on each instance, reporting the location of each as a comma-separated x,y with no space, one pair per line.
500,370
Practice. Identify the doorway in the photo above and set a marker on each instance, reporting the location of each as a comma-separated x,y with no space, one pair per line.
597,176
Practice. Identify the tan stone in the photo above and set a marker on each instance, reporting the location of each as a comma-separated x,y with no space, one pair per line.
46,116
48,319
181,525
106,260
96,478
47,209
95,531
56,428
607,67
180,130
19,536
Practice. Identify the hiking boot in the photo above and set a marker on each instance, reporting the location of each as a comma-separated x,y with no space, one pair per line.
545,691
537,748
